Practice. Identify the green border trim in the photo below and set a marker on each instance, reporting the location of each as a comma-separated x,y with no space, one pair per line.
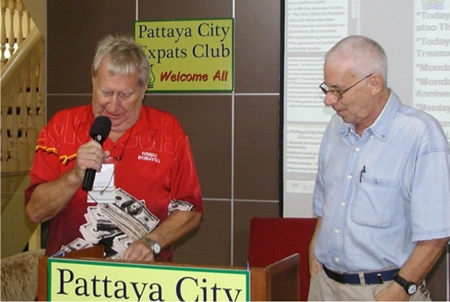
51,261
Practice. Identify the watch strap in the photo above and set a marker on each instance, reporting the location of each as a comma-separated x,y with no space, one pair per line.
410,287
154,246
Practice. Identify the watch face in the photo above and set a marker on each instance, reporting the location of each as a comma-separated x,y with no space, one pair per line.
156,248
412,288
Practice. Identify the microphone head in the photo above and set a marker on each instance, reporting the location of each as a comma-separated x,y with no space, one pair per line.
100,128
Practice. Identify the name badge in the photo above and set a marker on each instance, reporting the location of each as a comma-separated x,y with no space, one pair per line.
104,188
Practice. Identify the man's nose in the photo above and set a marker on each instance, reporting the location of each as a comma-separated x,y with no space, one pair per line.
330,99
113,102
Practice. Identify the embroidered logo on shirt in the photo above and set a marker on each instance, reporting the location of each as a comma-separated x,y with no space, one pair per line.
149,156
65,159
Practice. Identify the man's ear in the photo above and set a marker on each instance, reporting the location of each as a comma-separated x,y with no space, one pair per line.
376,83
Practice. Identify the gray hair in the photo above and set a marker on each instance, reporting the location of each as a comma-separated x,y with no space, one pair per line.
363,54
125,58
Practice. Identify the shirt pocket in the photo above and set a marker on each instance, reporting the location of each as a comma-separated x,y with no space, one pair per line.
374,202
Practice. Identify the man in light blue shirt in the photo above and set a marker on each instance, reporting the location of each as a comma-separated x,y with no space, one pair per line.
382,194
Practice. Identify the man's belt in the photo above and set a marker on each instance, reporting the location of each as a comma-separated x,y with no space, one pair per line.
370,278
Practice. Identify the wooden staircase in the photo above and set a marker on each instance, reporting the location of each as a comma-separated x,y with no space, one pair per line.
22,117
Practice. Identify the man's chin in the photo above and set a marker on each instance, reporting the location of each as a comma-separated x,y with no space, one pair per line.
345,117
341,113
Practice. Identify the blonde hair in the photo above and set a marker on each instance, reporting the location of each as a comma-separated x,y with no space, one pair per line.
125,58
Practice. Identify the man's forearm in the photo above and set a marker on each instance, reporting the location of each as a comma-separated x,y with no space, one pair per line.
423,258
48,199
314,265
177,224
415,269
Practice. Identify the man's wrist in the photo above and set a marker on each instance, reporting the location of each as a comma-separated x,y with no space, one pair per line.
410,288
154,246
398,288
74,178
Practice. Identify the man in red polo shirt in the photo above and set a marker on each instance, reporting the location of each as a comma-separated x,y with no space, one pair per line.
146,192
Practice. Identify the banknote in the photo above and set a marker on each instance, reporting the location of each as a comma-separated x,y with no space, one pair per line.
130,215
136,209
120,244
179,205
93,235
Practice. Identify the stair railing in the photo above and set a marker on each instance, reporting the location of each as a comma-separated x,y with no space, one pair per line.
22,51
23,104
16,23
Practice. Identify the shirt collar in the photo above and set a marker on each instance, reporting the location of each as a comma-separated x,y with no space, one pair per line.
147,120
382,125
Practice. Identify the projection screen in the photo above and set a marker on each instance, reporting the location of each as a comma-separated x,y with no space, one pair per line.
416,37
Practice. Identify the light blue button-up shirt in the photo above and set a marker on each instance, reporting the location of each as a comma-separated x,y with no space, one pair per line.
381,193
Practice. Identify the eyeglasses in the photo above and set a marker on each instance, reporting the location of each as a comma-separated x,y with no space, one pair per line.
339,93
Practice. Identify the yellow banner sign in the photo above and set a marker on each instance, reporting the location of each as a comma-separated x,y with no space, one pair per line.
188,55
85,280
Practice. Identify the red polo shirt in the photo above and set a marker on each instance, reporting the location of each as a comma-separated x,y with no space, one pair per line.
156,166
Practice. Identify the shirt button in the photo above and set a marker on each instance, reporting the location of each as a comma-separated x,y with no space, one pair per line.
336,259
349,176
336,231
371,136
357,149
342,203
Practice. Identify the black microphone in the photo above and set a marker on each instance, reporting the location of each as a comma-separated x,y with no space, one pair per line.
99,132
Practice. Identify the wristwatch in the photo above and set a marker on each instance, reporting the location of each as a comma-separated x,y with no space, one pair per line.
154,246
410,287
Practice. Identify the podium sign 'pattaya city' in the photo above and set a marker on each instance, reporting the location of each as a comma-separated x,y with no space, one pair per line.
86,280
188,55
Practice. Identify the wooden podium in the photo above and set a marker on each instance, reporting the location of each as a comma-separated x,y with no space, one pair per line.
275,282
